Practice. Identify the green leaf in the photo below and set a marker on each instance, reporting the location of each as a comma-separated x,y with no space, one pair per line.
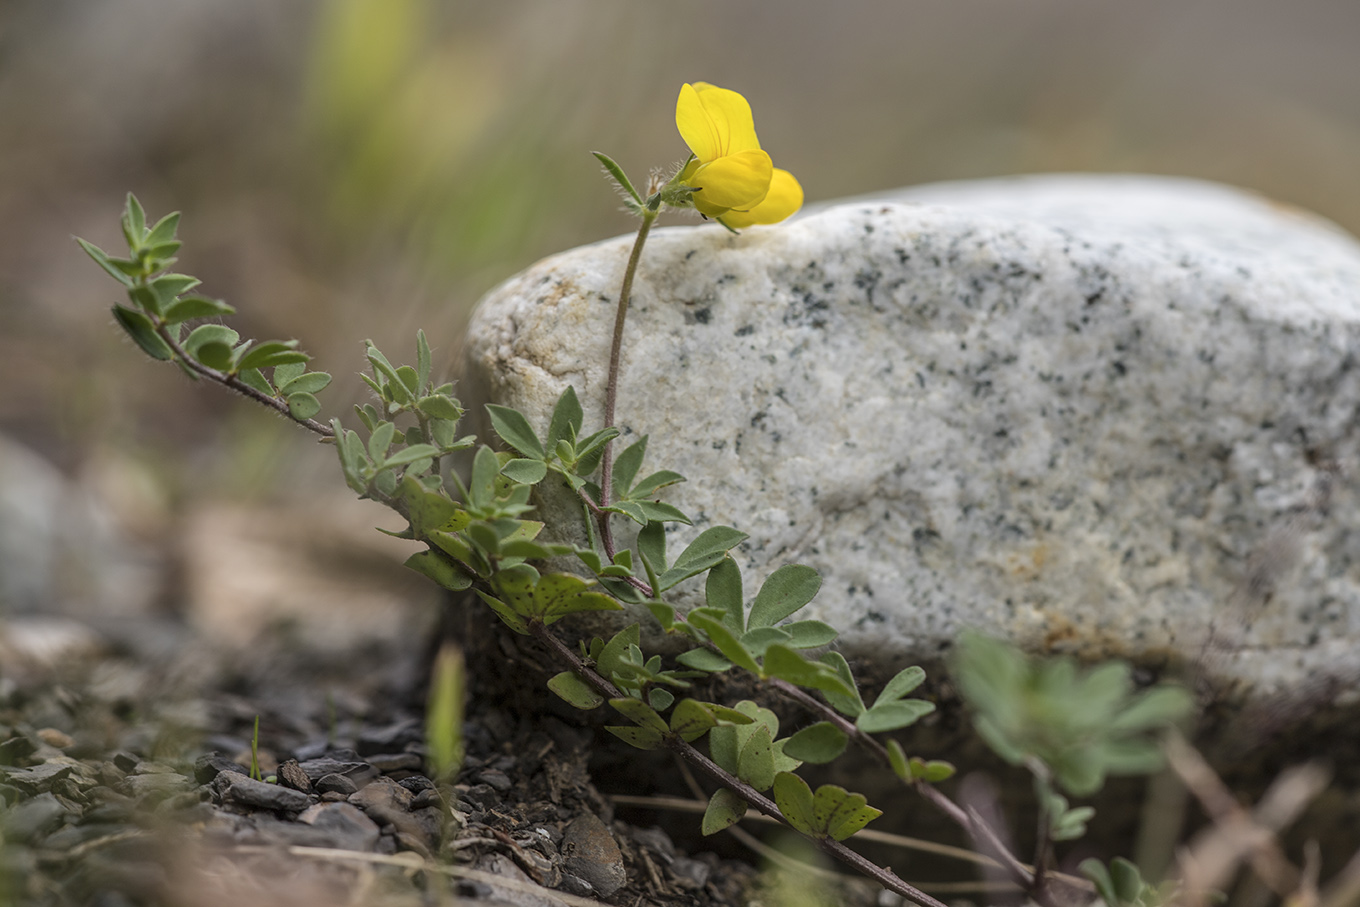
627,465
898,760
611,657
514,430
288,372
134,221
704,552
640,713
505,613
657,512
438,406
309,383
691,720
644,738
651,545
755,764
838,814
660,699
1095,870
164,231
702,659
621,178
903,683
1157,707
438,568
722,590
786,664
271,353
210,333
761,638
808,634
654,483
303,406
526,472
795,800
566,419
725,640
575,691
890,716
785,591
422,360
408,454
850,706
142,332
102,259
818,744
253,377
214,355
724,810
191,307
158,256
380,440
934,771
169,286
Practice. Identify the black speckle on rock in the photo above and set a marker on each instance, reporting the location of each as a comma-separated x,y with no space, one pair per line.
745,330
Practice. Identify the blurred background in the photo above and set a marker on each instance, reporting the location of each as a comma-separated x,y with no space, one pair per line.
359,168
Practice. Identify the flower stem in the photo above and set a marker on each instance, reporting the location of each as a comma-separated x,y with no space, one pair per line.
612,385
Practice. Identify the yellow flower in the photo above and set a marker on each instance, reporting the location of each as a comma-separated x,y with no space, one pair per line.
734,178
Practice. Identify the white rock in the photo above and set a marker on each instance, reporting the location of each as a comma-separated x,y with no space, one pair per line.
1095,413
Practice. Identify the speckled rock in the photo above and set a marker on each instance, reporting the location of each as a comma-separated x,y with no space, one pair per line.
1103,414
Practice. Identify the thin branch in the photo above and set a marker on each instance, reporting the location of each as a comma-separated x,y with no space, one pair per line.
236,384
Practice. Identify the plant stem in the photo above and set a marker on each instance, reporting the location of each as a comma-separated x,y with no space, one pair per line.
885,877
611,388
236,384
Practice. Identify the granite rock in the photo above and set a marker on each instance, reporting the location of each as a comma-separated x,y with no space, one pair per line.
1101,414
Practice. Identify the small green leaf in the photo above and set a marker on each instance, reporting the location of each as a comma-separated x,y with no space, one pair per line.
407,454
164,231
566,419
724,810
303,406
725,640
611,657
639,712
655,511
760,639
576,691
526,472
142,332
253,377
838,814
786,664
703,660
651,544
191,307
438,406
891,716
850,706
708,549
309,383
210,333
654,483
102,259
795,800
169,286
283,374
755,764
722,590
214,354
660,699
898,760
644,738
380,440
627,465
691,720
422,360
785,591
443,571
621,178
505,613
809,634
818,744
903,683
272,353
134,221
514,430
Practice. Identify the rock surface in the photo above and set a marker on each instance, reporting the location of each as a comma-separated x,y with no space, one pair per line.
1101,414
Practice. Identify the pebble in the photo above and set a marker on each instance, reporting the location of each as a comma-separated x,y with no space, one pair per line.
349,828
53,737
336,784
592,854
15,749
497,779
37,779
239,789
33,817
292,775
210,765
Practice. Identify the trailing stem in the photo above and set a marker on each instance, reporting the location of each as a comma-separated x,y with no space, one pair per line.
611,390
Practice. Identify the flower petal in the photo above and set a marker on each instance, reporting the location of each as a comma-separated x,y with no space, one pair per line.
696,125
731,114
784,198
735,181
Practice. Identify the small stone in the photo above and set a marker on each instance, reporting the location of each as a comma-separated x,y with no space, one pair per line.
37,779
384,801
155,783
126,762
53,737
396,762
210,765
427,797
153,768
484,795
330,765
244,791
32,818
592,854
332,796
347,825
497,779
16,749
574,884
292,775
336,784
416,783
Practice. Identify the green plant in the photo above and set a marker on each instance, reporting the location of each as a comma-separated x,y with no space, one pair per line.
475,534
